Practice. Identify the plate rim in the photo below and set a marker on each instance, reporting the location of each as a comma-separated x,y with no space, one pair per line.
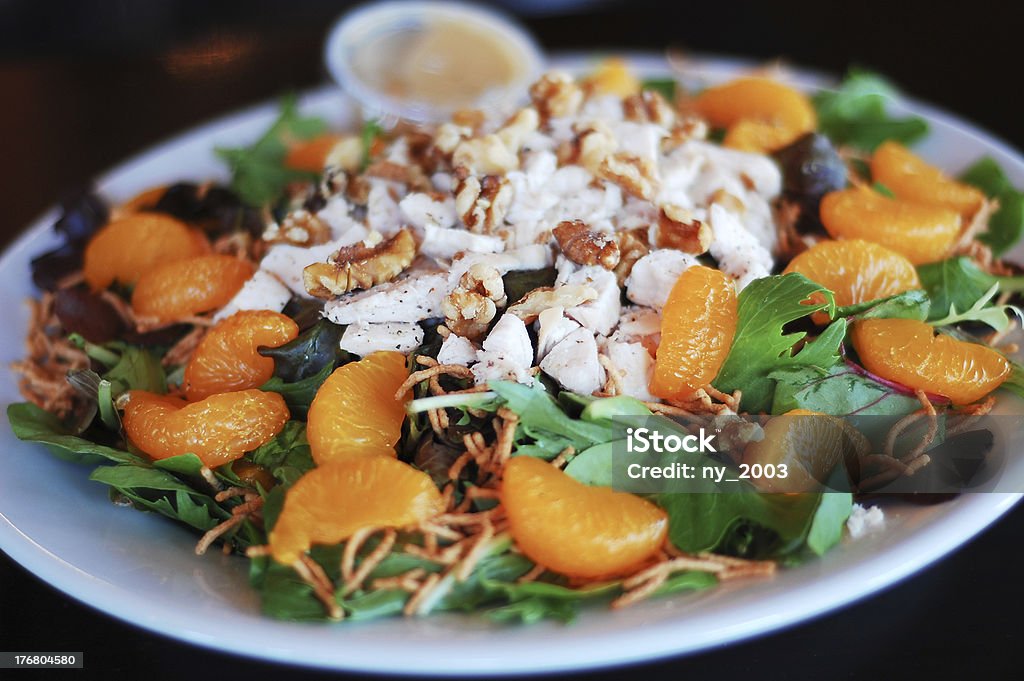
972,514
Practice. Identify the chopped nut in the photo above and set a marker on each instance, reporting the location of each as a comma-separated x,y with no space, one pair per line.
592,143
632,246
686,129
472,305
299,228
678,228
542,298
482,203
388,170
485,155
557,95
358,190
586,247
360,266
730,202
635,175
513,134
649,106
449,135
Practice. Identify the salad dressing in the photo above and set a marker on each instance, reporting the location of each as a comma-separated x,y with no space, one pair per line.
447,62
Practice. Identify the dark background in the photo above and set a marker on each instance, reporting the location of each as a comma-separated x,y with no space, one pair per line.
85,84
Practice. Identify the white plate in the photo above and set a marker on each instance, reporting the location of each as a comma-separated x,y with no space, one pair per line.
141,568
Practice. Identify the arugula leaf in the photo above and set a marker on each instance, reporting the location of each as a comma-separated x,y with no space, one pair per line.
368,135
259,175
914,304
1007,224
32,424
855,114
717,522
287,455
128,367
317,347
840,391
159,491
958,284
829,521
184,464
542,420
996,316
137,369
760,345
665,86
298,395
520,282
1015,382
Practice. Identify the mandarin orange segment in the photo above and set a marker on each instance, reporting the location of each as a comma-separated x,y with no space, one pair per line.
355,413
697,327
910,177
761,114
131,246
332,502
910,352
574,529
808,443
921,232
182,288
311,155
227,360
613,76
856,271
218,429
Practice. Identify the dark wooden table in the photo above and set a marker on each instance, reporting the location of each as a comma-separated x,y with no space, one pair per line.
88,85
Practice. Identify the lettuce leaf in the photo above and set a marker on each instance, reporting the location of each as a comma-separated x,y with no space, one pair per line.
856,113
761,345
1007,224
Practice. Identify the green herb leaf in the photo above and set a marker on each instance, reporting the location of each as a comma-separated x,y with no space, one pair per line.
288,455
520,282
298,395
958,284
840,391
996,316
1007,224
159,491
829,521
137,369
780,523
314,349
856,113
761,346
259,175
665,86
913,304
543,421
32,424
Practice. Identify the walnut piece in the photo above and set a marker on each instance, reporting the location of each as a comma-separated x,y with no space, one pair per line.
472,305
557,95
487,155
686,129
648,106
482,203
360,266
635,175
299,228
586,247
678,228
589,147
542,298
633,245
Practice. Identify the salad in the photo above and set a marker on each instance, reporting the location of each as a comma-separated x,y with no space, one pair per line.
391,366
